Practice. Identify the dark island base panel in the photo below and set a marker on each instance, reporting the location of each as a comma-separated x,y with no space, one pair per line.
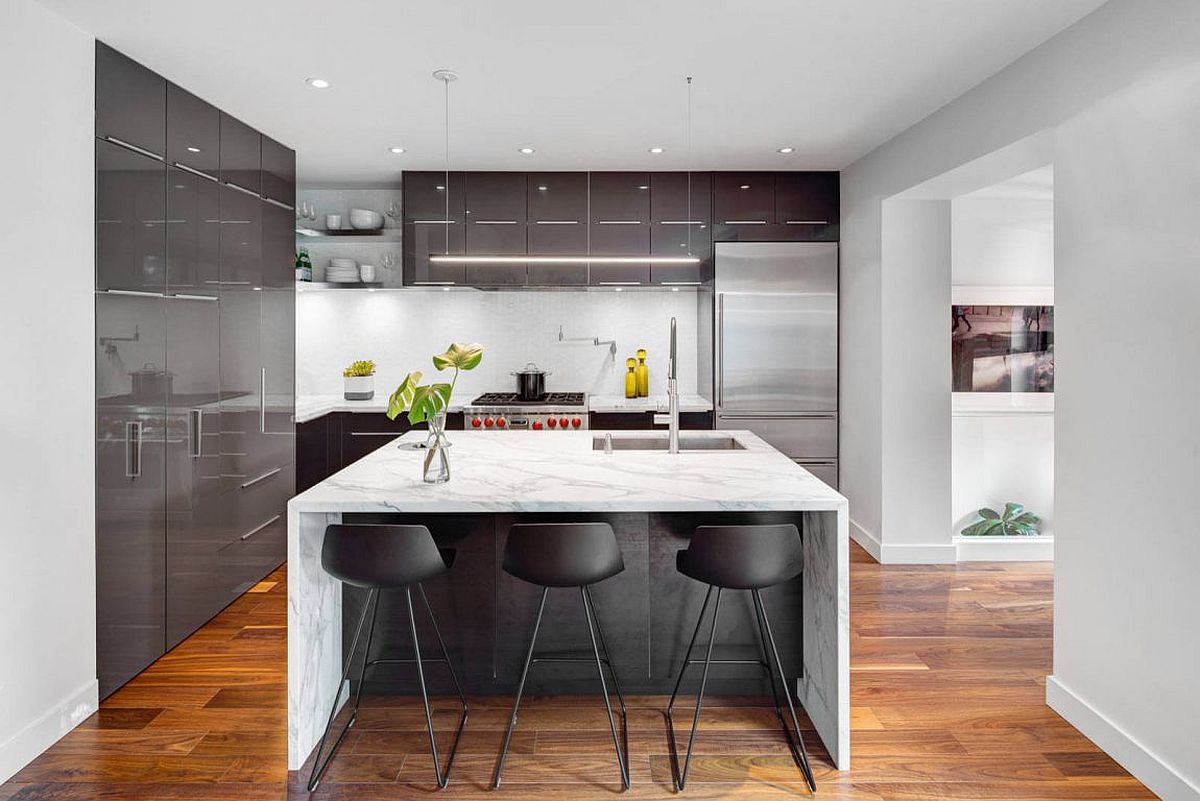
648,613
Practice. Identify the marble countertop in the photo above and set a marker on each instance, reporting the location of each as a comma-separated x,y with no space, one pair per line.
310,407
526,471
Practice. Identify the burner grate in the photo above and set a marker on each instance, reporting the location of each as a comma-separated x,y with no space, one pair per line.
511,399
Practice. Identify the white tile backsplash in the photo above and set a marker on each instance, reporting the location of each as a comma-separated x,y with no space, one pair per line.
401,330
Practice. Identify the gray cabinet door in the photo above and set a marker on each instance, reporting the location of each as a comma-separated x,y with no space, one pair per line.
131,437
558,226
130,220
131,102
277,352
241,239
619,226
241,154
193,233
495,226
193,132
681,225
241,389
278,246
194,530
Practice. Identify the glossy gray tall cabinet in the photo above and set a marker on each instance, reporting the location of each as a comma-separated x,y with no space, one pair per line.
194,362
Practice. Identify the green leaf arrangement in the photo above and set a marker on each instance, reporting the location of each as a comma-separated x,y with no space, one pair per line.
1014,522
359,368
425,401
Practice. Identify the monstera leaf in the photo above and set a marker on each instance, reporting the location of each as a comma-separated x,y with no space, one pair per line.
461,356
1014,522
402,398
428,401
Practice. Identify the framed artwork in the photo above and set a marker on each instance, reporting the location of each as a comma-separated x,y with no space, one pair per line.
1002,348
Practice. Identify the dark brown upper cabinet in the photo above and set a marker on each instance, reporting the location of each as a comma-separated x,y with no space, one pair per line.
619,225
558,226
278,245
278,172
434,219
131,215
680,228
131,102
744,198
193,132
241,239
808,202
241,154
495,226
193,233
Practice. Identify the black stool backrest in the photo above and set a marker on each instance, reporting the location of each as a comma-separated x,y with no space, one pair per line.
562,554
745,557
381,555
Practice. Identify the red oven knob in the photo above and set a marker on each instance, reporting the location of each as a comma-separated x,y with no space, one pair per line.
537,425
564,422
487,421
552,422
501,422
476,422
576,422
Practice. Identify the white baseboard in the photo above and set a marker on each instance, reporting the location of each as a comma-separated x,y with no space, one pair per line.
20,749
1147,767
905,554
1004,549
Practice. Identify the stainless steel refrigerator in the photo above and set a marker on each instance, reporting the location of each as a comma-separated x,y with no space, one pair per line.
776,347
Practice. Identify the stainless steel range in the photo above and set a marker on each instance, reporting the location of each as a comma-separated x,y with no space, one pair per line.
554,411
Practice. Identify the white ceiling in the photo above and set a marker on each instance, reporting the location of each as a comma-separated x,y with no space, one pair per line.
589,85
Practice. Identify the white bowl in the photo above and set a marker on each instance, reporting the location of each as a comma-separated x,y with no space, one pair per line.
365,219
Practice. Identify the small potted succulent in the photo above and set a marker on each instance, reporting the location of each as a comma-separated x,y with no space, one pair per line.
359,380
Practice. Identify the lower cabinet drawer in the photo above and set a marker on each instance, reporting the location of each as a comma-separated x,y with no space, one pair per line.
256,515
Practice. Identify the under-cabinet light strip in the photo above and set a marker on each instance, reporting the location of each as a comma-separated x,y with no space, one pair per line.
565,259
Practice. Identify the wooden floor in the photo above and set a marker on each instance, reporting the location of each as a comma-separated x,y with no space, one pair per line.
947,703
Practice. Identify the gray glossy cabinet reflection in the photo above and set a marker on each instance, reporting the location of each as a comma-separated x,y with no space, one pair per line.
241,154
495,225
278,172
131,441
558,226
278,269
681,225
434,218
193,132
241,239
130,220
194,233
619,226
131,102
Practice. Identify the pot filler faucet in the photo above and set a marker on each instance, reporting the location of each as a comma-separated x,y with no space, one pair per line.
672,397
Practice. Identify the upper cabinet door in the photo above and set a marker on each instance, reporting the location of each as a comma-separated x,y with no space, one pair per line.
193,233
495,226
680,228
193,132
433,225
241,154
241,239
808,202
744,198
428,198
558,226
130,220
131,102
278,246
619,226
278,172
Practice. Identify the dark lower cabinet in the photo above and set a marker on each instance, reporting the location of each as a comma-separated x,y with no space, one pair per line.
637,421
336,440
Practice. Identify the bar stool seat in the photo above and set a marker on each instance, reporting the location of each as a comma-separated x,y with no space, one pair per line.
377,558
567,555
749,557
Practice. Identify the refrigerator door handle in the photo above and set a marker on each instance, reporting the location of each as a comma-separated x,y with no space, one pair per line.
720,349
778,416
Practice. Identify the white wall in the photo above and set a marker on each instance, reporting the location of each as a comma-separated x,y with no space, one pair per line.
1126,429
999,457
401,330
47,533
1002,241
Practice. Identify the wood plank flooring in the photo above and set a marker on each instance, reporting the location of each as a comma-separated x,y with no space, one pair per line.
948,664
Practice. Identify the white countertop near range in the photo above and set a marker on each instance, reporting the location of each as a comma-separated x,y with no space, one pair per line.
310,407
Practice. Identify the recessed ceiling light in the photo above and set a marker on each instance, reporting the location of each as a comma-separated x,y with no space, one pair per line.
786,150
319,83
193,149
656,150
528,151
396,150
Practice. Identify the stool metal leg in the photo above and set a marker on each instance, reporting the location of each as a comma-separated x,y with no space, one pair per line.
443,777
766,663
622,759
512,721
803,754
687,655
319,766
681,777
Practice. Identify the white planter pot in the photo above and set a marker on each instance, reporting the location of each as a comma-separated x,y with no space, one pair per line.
359,387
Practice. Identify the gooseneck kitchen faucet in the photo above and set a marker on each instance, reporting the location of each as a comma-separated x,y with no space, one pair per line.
672,397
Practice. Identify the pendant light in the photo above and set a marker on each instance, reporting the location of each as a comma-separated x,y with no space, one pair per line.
447,77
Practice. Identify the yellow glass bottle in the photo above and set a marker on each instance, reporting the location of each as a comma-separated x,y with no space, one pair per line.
631,385
643,374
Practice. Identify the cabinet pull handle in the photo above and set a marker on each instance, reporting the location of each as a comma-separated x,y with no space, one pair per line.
433,283
682,222
197,427
618,283
718,343
434,222
195,172
262,401
494,222
133,449
134,148
263,477
260,527
278,203
680,283
806,222
376,433
745,222
243,190
185,296
618,222
556,222
133,293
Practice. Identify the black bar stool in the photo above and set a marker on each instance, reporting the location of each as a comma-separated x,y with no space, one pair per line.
378,558
740,558
567,555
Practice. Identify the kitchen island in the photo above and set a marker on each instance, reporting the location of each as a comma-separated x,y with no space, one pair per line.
652,498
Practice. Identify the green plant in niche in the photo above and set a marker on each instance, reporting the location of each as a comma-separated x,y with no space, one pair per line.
1014,522
362,367
426,401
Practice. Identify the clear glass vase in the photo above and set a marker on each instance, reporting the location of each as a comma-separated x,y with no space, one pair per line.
436,468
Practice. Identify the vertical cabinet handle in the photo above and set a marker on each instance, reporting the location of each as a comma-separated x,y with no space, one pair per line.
197,429
720,341
262,401
133,449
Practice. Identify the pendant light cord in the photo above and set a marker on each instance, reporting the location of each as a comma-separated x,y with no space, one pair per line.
446,164
689,165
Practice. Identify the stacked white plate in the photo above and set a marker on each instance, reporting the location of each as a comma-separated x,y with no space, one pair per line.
342,271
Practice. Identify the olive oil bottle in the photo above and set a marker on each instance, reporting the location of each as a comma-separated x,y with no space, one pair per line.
643,374
631,381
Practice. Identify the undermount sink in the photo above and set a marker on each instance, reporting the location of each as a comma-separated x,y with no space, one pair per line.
657,442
